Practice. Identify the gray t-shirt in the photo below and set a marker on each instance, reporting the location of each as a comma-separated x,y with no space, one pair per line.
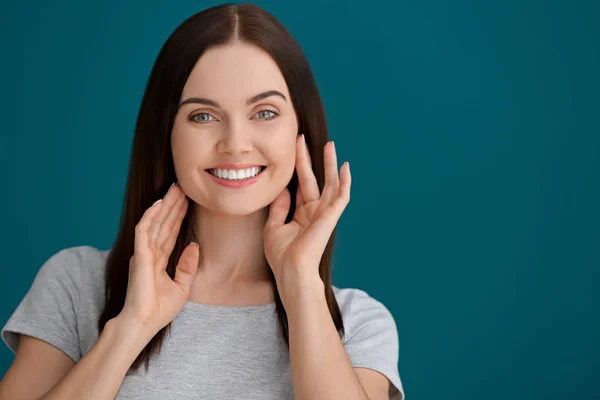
213,352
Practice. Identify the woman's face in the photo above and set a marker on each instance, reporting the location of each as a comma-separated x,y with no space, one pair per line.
233,131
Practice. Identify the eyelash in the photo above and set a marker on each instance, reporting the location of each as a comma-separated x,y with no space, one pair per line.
275,115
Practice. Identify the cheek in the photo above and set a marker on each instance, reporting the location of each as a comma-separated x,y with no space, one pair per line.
187,152
283,154
282,144
285,165
181,151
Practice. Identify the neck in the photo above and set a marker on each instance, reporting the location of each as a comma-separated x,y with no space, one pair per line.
232,247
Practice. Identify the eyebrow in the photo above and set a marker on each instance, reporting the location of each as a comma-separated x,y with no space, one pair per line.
253,99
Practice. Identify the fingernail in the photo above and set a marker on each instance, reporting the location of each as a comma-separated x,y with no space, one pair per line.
156,202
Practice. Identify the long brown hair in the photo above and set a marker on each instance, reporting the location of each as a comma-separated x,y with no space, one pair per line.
151,169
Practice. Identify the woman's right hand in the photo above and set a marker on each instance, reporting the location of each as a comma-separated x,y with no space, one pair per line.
153,299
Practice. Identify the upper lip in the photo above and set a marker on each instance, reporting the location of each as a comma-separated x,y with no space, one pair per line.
235,166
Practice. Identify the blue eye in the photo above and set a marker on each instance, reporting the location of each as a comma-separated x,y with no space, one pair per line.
269,111
205,120
193,117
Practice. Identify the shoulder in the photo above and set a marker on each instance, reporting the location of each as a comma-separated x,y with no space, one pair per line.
74,258
366,319
65,293
72,275
357,306
370,336
348,296
78,257
78,265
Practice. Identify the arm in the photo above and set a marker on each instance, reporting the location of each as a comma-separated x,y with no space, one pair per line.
153,299
100,373
320,365
37,366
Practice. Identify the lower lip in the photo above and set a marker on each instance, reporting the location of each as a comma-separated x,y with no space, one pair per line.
236,184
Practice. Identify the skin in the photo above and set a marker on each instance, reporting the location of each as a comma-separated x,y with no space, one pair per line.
228,223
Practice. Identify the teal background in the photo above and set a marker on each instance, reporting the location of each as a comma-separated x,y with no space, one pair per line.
473,135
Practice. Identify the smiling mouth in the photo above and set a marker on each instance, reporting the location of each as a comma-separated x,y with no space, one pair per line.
262,169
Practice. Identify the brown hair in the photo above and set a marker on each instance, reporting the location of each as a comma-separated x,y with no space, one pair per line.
151,169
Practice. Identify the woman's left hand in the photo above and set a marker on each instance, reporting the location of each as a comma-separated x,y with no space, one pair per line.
294,250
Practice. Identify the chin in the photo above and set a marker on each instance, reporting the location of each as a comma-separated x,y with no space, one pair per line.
237,209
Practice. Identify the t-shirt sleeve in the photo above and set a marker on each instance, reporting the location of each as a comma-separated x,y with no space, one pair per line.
49,309
371,339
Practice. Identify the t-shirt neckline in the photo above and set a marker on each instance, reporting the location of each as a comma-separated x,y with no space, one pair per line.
192,306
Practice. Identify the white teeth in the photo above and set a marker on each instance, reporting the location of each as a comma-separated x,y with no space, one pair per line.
235,175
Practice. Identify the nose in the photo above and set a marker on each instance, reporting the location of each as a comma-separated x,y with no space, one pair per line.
235,140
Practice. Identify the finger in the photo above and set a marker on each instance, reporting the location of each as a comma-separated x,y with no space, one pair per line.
170,223
331,173
169,200
307,151
320,230
172,239
185,271
345,182
343,196
279,209
307,181
141,229
299,198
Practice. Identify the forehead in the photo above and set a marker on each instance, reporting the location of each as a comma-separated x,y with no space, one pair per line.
234,72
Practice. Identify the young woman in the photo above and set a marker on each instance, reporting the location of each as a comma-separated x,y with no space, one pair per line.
221,289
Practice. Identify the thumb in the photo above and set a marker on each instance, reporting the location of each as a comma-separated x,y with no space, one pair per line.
187,267
279,208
